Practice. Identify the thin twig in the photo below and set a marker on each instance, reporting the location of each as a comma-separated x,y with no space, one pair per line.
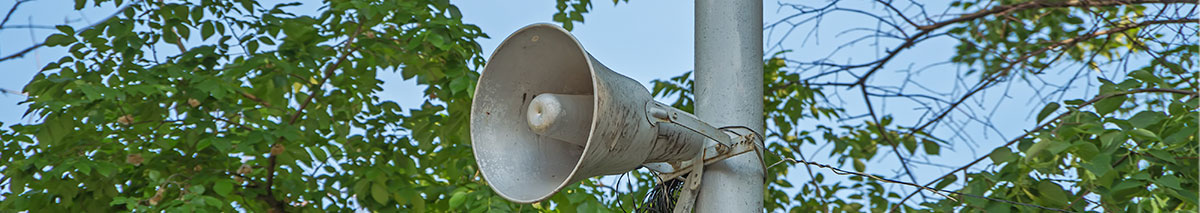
884,134
1024,57
844,172
22,53
11,11
1003,9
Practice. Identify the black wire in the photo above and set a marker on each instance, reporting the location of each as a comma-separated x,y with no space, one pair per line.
661,198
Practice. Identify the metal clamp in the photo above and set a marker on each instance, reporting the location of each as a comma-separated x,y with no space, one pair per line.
659,113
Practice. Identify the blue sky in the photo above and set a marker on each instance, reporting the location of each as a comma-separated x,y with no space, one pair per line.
647,40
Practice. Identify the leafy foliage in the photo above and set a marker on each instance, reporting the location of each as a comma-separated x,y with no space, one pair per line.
1104,152
255,108
260,109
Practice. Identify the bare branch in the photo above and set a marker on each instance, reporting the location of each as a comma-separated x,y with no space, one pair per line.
1026,56
29,27
22,53
1004,9
898,13
11,11
884,134
998,10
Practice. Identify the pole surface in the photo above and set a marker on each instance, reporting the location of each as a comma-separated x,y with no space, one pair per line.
729,88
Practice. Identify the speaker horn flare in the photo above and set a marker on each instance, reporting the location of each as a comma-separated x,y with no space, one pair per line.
547,114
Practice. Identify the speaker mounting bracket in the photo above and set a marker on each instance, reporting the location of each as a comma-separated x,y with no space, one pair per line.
660,113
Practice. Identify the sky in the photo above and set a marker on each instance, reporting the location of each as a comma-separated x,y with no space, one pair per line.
645,40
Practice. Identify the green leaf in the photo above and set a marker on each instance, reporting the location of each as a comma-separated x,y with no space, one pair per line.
998,208
1182,136
438,41
17,185
1085,150
203,143
1146,76
416,198
206,30
1143,133
457,199
459,84
223,187
1125,189
54,130
212,201
59,40
931,147
1188,196
1001,155
1162,155
1111,138
454,12
1075,102
248,5
379,192
1049,108
1036,150
910,145
946,181
1168,181
1108,105
1144,119
1074,20
1099,165
222,145
859,165
1052,192
198,189
252,47
65,29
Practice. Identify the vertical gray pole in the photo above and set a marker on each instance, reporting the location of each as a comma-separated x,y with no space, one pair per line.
729,89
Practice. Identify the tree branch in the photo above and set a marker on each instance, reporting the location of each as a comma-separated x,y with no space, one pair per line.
1025,57
1047,123
22,52
998,10
329,71
39,45
884,134
11,11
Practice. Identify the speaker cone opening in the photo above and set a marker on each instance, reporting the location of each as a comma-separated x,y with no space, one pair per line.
536,61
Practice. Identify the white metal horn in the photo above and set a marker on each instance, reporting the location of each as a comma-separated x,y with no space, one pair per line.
546,114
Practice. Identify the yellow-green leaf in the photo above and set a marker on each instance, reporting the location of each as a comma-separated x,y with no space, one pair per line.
379,192
457,199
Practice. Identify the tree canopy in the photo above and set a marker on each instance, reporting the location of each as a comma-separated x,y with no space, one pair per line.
219,105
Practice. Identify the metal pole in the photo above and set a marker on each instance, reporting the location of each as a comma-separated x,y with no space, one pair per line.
729,89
